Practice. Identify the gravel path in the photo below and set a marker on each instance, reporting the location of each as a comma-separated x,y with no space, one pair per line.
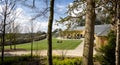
78,51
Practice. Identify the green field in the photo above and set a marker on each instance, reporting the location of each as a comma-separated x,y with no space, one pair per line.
42,45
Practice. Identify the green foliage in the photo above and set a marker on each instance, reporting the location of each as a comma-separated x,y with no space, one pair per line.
106,55
67,61
13,60
40,60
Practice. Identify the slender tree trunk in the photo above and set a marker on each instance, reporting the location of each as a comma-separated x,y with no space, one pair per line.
118,35
10,41
10,38
32,37
51,17
3,42
114,15
14,36
14,42
32,49
3,37
89,33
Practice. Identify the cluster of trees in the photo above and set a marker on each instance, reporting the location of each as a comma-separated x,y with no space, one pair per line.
10,30
109,10
105,11
8,16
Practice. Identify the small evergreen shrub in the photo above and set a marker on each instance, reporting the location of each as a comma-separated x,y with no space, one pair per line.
106,54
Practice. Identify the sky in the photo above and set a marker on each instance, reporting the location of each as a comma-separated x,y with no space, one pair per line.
42,23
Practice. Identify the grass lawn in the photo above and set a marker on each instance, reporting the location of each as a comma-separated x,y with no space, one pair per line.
42,45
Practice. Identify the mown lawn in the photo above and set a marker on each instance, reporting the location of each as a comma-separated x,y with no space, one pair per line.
42,45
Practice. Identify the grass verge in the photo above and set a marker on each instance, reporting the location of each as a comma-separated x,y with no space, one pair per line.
42,45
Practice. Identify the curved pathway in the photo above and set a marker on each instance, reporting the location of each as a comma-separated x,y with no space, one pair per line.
78,51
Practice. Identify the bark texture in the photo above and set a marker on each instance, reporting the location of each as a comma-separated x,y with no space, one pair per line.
89,33
117,53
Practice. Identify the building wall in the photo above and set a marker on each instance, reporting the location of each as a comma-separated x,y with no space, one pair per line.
100,41
75,34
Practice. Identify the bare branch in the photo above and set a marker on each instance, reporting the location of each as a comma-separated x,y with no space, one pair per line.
40,13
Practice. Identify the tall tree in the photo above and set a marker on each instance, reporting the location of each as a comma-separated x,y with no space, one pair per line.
89,33
7,7
13,28
16,30
32,36
118,34
49,33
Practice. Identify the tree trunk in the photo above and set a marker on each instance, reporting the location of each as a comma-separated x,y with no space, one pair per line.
89,33
51,17
32,48
10,41
3,42
14,40
118,35
3,37
114,15
32,39
5,13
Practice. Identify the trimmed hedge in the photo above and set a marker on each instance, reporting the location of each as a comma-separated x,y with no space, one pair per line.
24,40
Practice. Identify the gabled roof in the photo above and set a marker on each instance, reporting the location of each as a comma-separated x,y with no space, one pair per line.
79,28
100,30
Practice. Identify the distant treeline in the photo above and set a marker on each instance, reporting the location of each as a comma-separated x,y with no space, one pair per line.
20,38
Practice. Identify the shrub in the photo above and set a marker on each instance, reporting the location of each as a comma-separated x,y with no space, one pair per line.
18,60
67,61
106,55
40,60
